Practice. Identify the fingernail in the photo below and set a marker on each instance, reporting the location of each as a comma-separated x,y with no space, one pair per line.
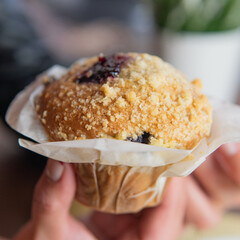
230,149
54,170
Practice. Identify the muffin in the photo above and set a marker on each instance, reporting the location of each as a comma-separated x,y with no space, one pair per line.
126,96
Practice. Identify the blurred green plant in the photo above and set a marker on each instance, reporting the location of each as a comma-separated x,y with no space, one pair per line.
197,15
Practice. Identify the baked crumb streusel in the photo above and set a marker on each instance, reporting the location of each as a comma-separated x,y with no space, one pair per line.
135,97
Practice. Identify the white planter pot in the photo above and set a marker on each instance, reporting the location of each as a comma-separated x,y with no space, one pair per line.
212,57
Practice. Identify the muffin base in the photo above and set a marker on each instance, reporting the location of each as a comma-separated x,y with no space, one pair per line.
119,189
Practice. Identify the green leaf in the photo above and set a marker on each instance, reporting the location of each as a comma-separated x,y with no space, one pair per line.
197,15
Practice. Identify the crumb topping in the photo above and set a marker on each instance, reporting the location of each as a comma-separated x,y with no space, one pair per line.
148,101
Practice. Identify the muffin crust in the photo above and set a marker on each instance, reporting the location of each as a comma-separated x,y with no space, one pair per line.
145,98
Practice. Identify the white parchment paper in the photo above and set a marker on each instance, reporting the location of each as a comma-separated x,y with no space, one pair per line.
22,117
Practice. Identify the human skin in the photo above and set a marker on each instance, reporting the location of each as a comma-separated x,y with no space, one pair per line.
51,219
214,187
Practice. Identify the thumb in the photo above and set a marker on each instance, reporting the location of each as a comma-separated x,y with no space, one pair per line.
166,220
51,202
53,196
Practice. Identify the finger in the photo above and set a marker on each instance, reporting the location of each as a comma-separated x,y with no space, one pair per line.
53,196
78,231
25,232
108,226
217,184
166,220
228,157
200,210
50,211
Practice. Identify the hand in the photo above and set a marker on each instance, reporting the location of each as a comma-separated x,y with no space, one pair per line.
50,210
51,219
214,186
164,222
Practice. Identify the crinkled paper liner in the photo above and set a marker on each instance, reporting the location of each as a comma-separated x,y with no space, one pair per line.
105,158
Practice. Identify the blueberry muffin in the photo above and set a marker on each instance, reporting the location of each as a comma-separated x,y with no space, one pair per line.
126,96
132,97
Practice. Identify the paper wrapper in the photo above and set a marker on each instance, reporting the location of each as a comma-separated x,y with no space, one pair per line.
119,176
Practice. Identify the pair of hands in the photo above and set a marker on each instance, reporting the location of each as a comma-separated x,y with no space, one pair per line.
198,199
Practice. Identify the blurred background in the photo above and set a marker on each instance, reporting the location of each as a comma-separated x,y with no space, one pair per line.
199,37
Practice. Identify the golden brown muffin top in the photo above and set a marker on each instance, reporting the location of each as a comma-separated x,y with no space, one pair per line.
135,97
